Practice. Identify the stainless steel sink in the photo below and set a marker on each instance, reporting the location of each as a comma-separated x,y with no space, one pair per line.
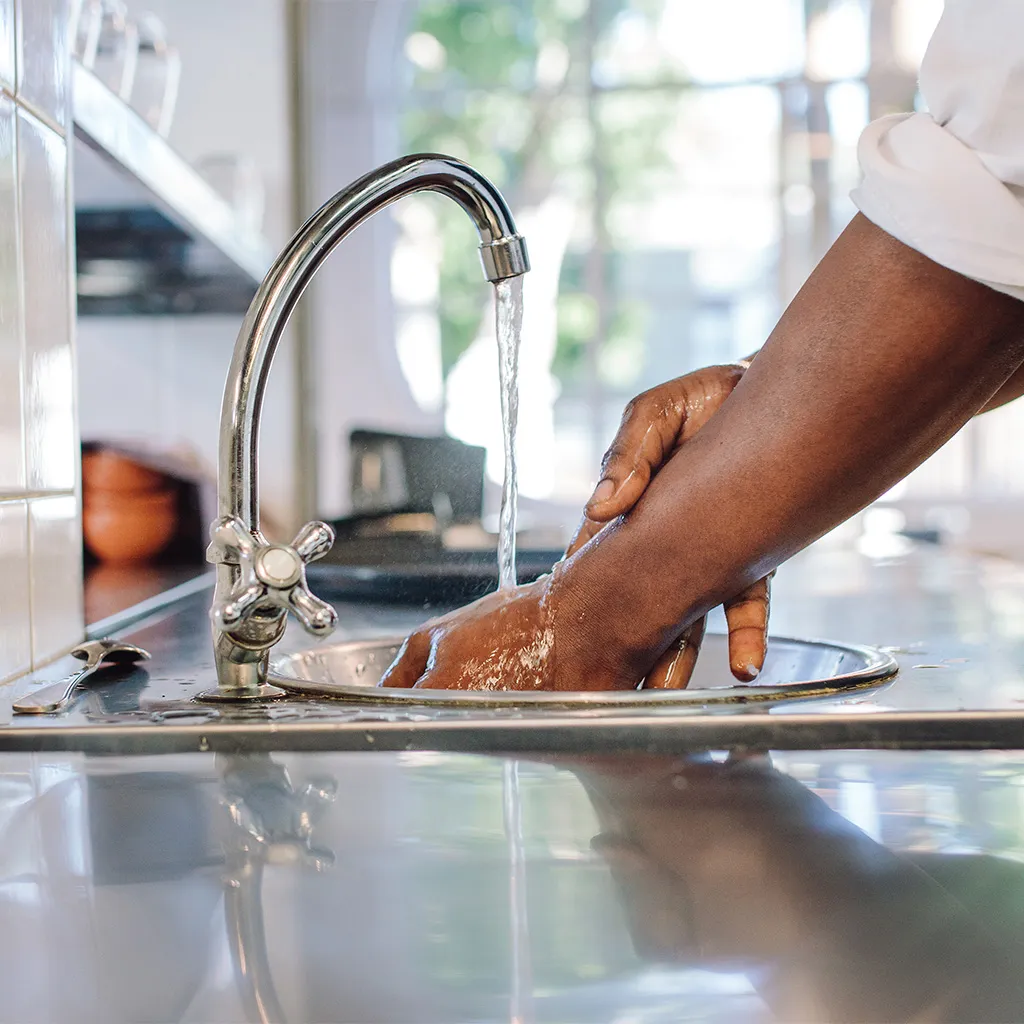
794,670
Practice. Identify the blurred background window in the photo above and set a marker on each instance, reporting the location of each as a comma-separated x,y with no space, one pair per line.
678,167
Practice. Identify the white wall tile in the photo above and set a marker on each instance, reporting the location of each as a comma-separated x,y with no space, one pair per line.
42,56
7,76
56,568
51,437
12,349
15,650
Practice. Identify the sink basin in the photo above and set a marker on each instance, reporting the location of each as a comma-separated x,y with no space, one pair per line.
794,670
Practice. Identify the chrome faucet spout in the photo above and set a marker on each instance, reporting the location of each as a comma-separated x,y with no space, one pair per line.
257,582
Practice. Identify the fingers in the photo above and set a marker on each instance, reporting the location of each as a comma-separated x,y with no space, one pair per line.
653,425
646,437
674,668
434,680
747,617
409,664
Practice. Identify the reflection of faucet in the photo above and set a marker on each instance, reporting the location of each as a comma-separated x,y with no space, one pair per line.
270,822
258,582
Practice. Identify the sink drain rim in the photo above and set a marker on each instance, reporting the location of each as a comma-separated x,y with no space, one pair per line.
878,669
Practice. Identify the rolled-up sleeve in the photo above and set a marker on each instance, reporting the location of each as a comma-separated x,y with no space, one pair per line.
950,182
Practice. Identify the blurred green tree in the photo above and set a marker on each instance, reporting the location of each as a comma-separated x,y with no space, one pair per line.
515,88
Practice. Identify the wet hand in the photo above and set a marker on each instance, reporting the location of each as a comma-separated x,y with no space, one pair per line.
654,426
515,639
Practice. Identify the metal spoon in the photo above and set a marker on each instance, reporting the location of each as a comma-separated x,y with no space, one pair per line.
95,654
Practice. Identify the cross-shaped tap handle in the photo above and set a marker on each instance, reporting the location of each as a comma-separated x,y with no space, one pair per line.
270,574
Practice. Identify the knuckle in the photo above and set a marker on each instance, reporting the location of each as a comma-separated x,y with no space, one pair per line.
629,409
619,451
746,631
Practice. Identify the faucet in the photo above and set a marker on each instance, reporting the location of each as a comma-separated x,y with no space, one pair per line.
258,583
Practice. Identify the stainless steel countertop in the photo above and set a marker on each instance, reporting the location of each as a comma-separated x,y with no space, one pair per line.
433,887
956,622
583,881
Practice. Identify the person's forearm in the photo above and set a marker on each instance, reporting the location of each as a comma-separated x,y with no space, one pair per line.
880,359
1009,392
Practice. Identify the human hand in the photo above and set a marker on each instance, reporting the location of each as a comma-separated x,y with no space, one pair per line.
523,638
654,426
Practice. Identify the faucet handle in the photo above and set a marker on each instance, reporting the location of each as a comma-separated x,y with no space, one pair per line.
270,574
313,541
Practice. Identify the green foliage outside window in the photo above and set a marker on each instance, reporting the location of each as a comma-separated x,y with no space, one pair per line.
506,86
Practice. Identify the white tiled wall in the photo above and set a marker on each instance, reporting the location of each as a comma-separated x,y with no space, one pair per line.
12,351
43,70
16,635
56,606
49,368
40,532
7,43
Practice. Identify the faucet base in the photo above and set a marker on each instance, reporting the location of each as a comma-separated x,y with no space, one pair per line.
217,695
242,672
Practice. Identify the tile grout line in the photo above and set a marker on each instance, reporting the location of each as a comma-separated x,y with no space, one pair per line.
39,114
11,499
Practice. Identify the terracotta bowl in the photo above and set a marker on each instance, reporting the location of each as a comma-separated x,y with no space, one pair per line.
105,470
129,527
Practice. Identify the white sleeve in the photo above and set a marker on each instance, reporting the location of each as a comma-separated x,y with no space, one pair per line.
950,183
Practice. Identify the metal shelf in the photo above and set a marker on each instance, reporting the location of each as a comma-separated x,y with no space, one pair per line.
153,236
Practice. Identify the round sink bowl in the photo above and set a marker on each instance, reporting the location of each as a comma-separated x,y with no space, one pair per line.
793,670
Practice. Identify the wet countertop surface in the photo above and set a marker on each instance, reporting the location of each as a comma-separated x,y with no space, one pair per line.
954,621
422,887
322,863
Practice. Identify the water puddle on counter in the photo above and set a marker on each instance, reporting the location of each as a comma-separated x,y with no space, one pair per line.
508,296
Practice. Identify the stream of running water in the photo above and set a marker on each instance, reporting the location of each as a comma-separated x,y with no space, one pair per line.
509,309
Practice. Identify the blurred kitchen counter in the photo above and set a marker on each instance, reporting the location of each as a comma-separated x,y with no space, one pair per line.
110,590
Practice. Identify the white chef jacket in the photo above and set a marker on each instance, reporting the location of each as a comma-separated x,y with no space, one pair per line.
950,183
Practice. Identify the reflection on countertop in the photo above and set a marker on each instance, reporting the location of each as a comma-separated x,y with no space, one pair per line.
347,888
110,589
